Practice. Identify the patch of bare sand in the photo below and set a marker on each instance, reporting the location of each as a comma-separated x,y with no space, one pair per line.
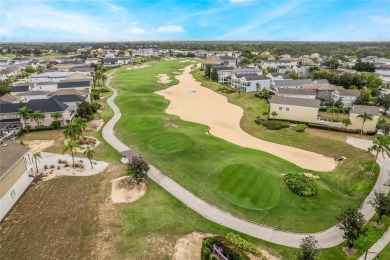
126,195
163,78
189,247
192,102
94,125
137,67
38,145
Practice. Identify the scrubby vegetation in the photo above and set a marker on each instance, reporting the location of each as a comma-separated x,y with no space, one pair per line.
301,184
229,250
300,128
242,243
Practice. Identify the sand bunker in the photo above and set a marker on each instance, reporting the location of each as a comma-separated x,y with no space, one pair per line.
187,61
137,67
39,145
126,195
192,102
163,78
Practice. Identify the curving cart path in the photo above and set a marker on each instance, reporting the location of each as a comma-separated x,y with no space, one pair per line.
327,238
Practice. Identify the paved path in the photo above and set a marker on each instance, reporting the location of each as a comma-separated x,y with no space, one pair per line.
327,238
377,247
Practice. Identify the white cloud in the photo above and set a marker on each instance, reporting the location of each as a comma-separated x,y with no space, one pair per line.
240,1
170,29
381,20
135,31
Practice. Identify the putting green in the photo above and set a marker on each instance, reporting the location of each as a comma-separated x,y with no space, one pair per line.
169,142
249,187
143,123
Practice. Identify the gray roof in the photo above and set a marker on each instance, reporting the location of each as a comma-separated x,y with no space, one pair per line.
21,88
44,105
294,82
33,93
300,102
359,109
278,61
69,98
10,153
321,81
250,77
296,91
74,84
349,92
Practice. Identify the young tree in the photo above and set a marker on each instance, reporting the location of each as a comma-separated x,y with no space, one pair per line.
364,98
381,144
273,114
258,86
207,71
84,110
104,79
265,93
36,156
56,116
365,117
384,126
29,69
381,205
71,148
89,153
138,168
383,101
346,122
309,249
351,222
214,75
23,113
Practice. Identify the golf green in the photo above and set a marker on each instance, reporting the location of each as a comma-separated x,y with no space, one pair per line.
143,123
249,187
169,142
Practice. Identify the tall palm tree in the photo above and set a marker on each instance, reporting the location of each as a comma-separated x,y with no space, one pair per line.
36,156
23,113
381,144
365,117
71,148
104,79
340,109
81,122
56,116
36,115
98,76
89,153
73,131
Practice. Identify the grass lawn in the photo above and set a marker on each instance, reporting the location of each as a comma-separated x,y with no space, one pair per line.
385,254
41,57
202,163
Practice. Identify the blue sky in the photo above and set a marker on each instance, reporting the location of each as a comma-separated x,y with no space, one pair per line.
110,20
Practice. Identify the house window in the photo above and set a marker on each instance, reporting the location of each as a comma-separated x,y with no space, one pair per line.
280,108
13,194
287,109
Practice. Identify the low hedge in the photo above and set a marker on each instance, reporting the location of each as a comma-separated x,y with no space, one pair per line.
300,128
275,124
242,243
301,184
229,250
331,128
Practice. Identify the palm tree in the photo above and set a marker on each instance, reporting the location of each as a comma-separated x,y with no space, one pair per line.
81,122
340,109
98,75
381,144
331,111
104,79
365,117
23,113
36,156
89,153
346,122
258,86
273,114
36,115
56,116
71,148
73,131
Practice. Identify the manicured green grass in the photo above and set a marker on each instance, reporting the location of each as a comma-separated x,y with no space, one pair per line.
249,187
169,142
385,254
200,167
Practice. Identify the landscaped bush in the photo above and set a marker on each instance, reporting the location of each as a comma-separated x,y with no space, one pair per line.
229,250
275,124
300,128
242,243
259,120
331,128
301,184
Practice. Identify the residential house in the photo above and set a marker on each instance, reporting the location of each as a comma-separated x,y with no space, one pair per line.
284,69
19,89
228,61
59,76
92,61
347,96
324,91
302,70
225,73
357,121
285,57
10,71
209,62
274,64
29,95
295,109
296,83
254,82
16,171
296,93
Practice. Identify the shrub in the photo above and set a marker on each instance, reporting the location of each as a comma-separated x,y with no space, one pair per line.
235,239
52,166
301,184
259,120
58,167
300,128
46,167
67,165
205,254
275,124
213,257
229,250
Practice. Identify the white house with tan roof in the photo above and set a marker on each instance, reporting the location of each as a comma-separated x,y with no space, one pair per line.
357,121
296,93
347,96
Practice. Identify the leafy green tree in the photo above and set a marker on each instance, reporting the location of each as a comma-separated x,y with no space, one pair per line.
364,66
138,168
294,75
364,98
265,93
85,110
36,156
384,126
207,71
71,148
24,113
56,116
351,222
258,86
346,122
383,101
120,53
309,249
5,87
381,145
381,205
89,153
214,75
104,79
29,69
365,116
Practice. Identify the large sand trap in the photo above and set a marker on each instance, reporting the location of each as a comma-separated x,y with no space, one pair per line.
137,67
163,78
192,102
125,195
